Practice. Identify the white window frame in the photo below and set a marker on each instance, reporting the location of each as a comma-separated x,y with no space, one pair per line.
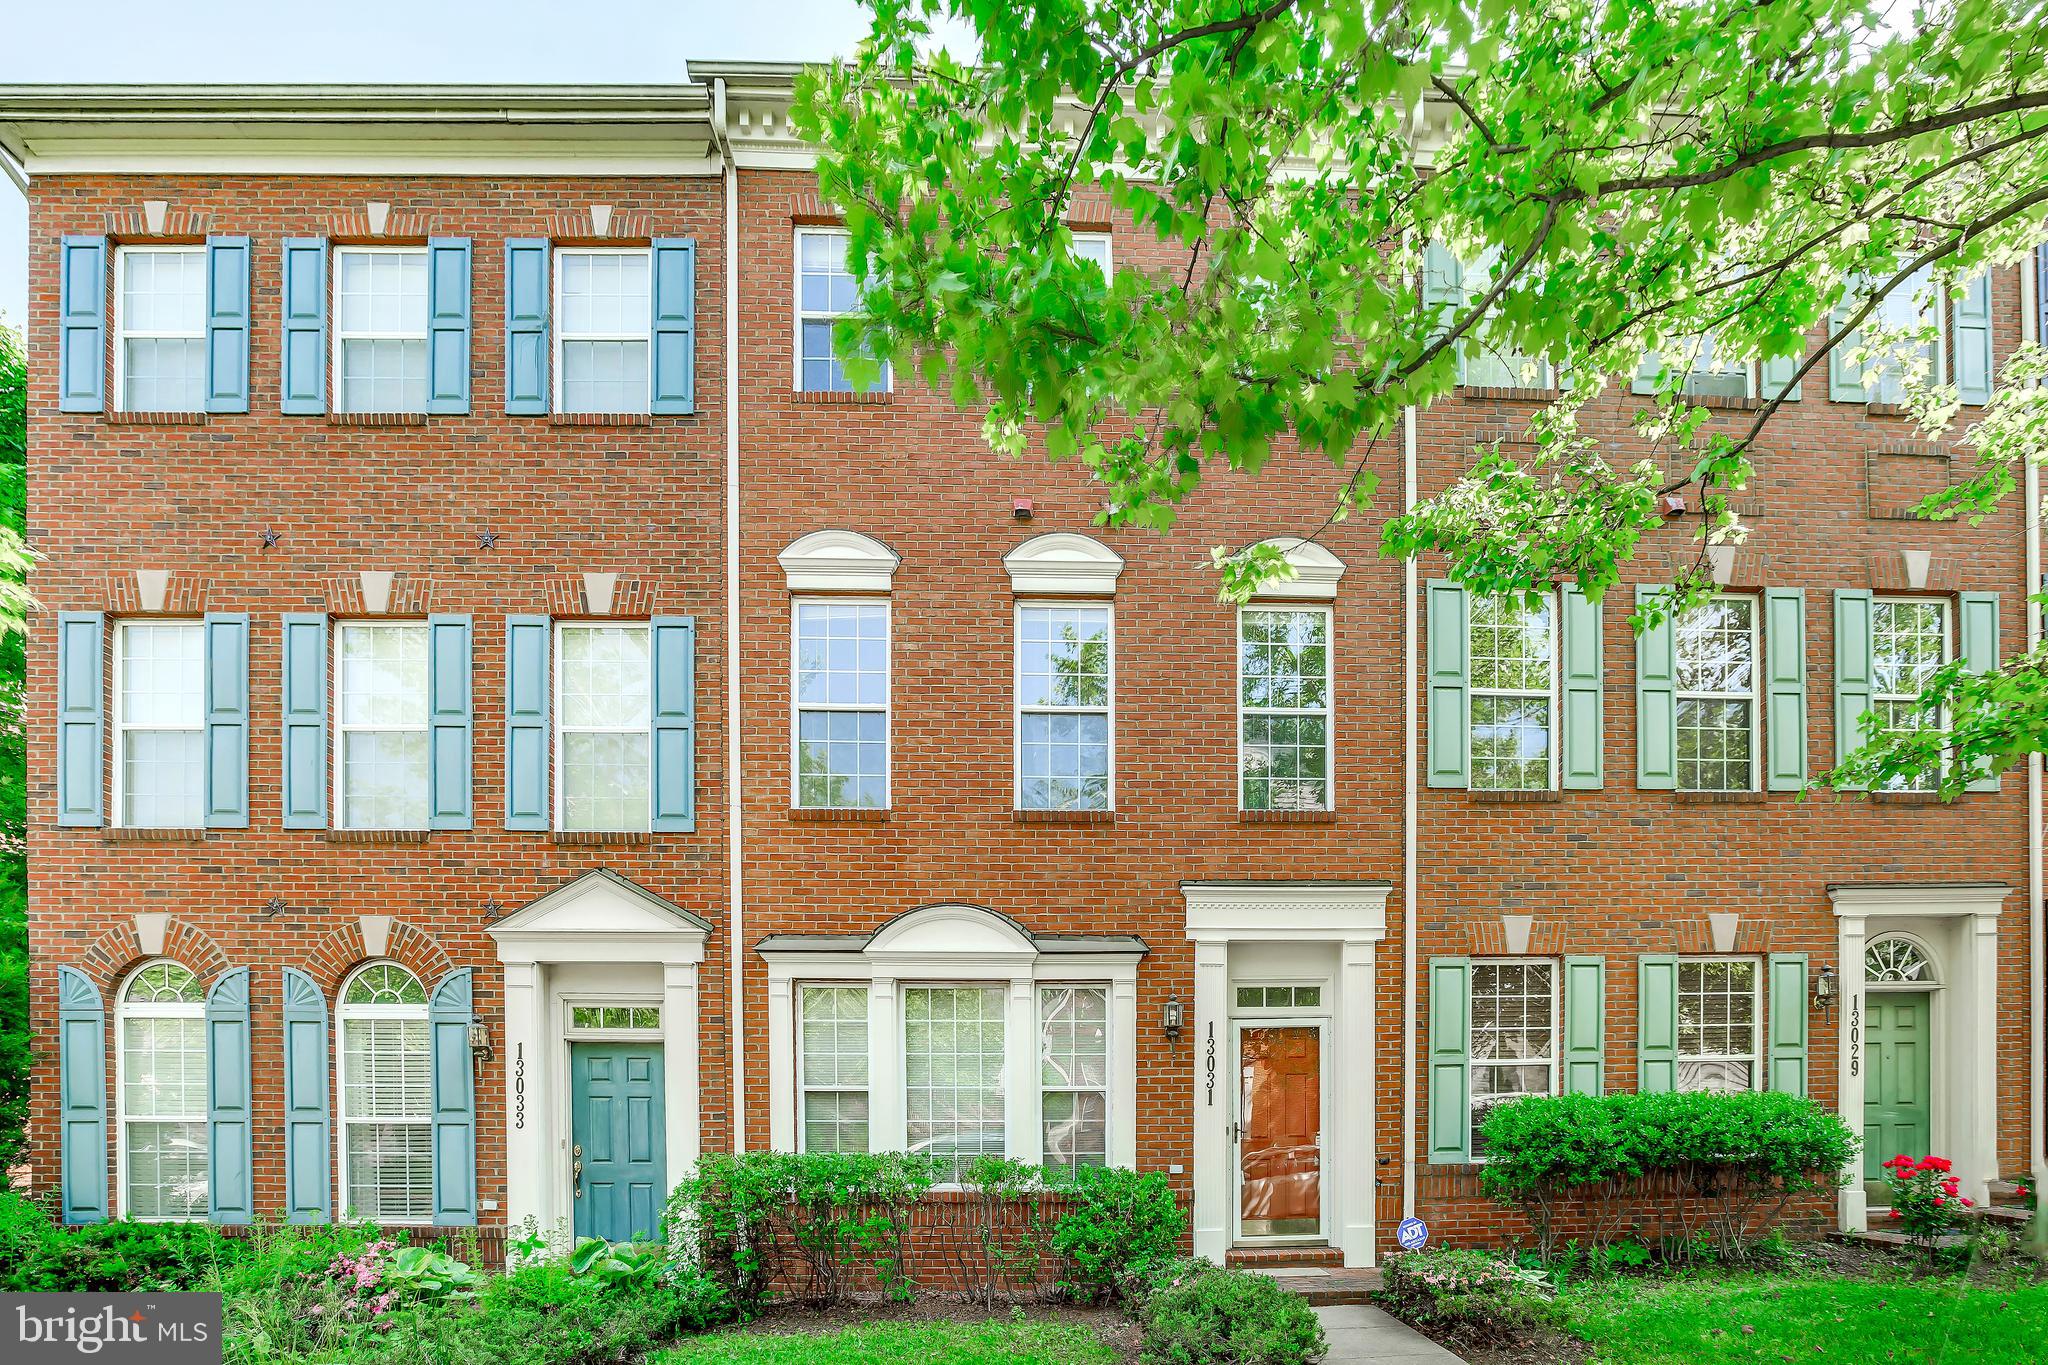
887,709
801,315
804,1089
1108,261
557,332
344,1013
123,1011
123,333
561,727
1546,372
1328,711
1706,347
1108,1087
1948,654
1755,1056
1018,709
342,336
621,1033
1474,691
1754,696
117,815
342,729
1473,1062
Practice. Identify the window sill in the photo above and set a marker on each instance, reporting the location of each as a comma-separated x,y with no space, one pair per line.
156,419
1721,402
820,815
141,834
1492,798
1063,817
833,398
1718,798
1512,395
1287,817
600,419
1908,799
597,838
376,836
1887,410
376,419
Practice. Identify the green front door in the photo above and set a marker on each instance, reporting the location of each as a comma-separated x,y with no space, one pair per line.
620,1166
1898,1049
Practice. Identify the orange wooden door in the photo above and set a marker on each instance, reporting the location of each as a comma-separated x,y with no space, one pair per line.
1280,1117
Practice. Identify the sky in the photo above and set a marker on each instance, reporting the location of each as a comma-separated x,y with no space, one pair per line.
391,40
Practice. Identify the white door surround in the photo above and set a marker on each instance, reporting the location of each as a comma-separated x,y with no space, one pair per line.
1957,924
1343,923
600,933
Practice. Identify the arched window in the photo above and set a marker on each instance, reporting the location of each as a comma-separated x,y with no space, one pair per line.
387,1154
161,1063
1897,960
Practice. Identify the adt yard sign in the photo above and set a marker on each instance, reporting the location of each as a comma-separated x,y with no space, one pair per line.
1413,1234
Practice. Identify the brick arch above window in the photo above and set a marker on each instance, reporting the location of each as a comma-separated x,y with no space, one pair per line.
118,951
345,949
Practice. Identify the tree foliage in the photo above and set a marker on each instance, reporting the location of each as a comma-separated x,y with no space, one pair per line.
14,560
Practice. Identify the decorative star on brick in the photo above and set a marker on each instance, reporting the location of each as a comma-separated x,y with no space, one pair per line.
273,907
487,540
270,539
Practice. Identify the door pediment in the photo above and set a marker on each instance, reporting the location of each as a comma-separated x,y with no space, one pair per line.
601,916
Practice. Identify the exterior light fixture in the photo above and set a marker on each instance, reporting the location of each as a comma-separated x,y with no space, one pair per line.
1824,990
479,1039
1171,1018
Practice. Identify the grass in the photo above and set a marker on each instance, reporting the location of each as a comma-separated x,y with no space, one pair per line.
995,1342
1817,1318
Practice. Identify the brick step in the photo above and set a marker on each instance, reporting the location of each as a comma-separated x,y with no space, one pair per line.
1323,1287
2005,1194
1266,1257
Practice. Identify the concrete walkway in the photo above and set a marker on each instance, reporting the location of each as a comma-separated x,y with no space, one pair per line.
1360,1335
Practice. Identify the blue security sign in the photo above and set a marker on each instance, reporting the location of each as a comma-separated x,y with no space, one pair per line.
1413,1234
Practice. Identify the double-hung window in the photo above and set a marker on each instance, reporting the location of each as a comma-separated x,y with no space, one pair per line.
381,711
1706,374
160,355
1284,708
825,292
1907,316
1715,647
1065,709
953,1063
1453,286
1073,1064
1909,640
380,353
832,1068
604,315
161,1061
603,748
842,704
387,1167
1094,246
1717,1024
160,724
1514,1035
1514,694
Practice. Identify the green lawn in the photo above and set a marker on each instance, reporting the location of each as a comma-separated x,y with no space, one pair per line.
1840,1321
996,1342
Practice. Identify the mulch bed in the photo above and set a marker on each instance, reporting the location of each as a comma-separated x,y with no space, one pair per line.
1114,1328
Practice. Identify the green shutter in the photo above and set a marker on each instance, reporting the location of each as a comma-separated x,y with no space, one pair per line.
1583,717
229,1124
527,684
448,713
302,385
81,718
1845,378
675,723
674,363
1649,371
1788,1022
448,295
1854,668
308,1165
1656,1023
82,327
1978,614
1450,684
1785,689
227,720
450,1010
1443,292
304,760
227,324
1656,698
1585,1025
82,1093
1973,341
1450,1060
526,326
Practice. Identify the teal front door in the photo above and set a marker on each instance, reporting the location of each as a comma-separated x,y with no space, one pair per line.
618,1160
1897,1087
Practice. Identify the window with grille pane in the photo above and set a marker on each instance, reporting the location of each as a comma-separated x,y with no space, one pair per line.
1283,675
161,1065
603,715
842,704
1073,1075
953,1074
160,352
386,1097
825,292
381,714
1908,642
380,329
1708,373
1493,365
1715,648
1094,247
1906,314
1514,1036
1064,691
604,318
1513,695
832,1068
160,724
1717,1024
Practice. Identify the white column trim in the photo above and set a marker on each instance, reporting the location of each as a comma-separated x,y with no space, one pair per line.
528,1191
1022,1131
1214,1073
781,1061
1355,1094
887,1124
1852,1206
679,1000
1123,1074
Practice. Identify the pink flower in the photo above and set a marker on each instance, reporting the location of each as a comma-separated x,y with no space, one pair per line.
1897,1214
1968,1205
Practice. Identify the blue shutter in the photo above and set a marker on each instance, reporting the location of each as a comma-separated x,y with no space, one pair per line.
1855,669
308,1169
227,720
448,325
82,325
1973,340
227,324
675,723
81,717
1656,696
229,1198
82,1092
526,326
1583,708
1977,613
527,680
448,712
1585,1025
675,326
302,387
1657,1023
1785,689
454,1102
304,761
1787,1010
1450,1060
1450,684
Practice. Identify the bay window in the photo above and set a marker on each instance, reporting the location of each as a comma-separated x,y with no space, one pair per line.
832,1068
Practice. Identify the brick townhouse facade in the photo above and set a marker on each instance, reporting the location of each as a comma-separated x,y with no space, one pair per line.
506,719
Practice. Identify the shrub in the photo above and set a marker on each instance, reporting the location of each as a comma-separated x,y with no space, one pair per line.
1119,1220
1196,1314
1927,1201
1469,1298
37,1254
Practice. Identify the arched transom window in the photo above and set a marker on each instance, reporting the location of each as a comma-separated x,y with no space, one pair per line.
1896,960
387,1160
161,1062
